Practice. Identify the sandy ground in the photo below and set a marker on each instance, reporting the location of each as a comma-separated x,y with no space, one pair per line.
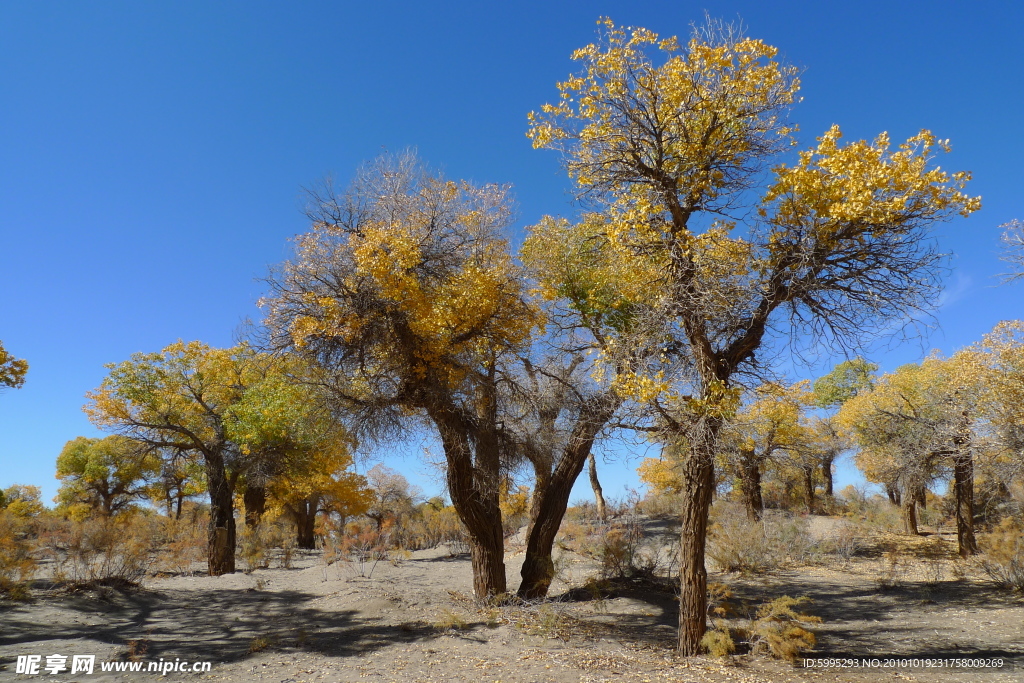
413,620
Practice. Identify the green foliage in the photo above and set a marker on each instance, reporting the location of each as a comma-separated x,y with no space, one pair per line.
104,476
846,380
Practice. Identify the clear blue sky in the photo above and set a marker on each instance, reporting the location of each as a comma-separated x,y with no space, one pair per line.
152,155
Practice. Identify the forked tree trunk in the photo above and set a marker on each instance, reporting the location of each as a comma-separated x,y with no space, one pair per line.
552,501
750,484
698,486
602,510
893,493
963,488
221,531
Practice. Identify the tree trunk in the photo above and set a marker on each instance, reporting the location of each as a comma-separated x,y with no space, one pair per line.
893,493
602,510
963,488
552,501
826,475
809,489
909,510
750,484
255,500
474,490
698,485
305,523
221,533
541,481
181,497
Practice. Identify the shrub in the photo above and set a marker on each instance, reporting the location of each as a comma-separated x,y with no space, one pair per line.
738,544
779,630
16,562
100,552
184,544
1003,559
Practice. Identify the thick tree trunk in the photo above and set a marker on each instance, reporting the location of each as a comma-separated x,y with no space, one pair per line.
221,534
698,485
305,523
963,488
809,489
826,475
552,501
255,500
602,510
541,481
909,513
474,490
750,484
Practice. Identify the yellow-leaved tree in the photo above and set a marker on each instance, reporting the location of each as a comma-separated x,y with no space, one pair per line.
668,141
12,370
405,293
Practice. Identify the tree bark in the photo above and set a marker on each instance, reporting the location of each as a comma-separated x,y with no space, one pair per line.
750,484
474,491
893,493
963,488
602,510
255,500
698,485
809,488
221,531
552,501
909,513
305,523
826,475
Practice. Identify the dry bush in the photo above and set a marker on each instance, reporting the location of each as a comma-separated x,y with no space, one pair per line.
778,629
738,544
184,545
363,546
1003,559
893,569
428,527
843,544
100,552
660,505
17,565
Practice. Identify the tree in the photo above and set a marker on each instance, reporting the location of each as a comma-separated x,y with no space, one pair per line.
1013,248
179,398
392,495
762,430
836,246
911,424
104,476
12,370
406,293
181,477
22,500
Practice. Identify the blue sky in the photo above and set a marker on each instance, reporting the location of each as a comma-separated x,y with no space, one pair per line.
152,156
